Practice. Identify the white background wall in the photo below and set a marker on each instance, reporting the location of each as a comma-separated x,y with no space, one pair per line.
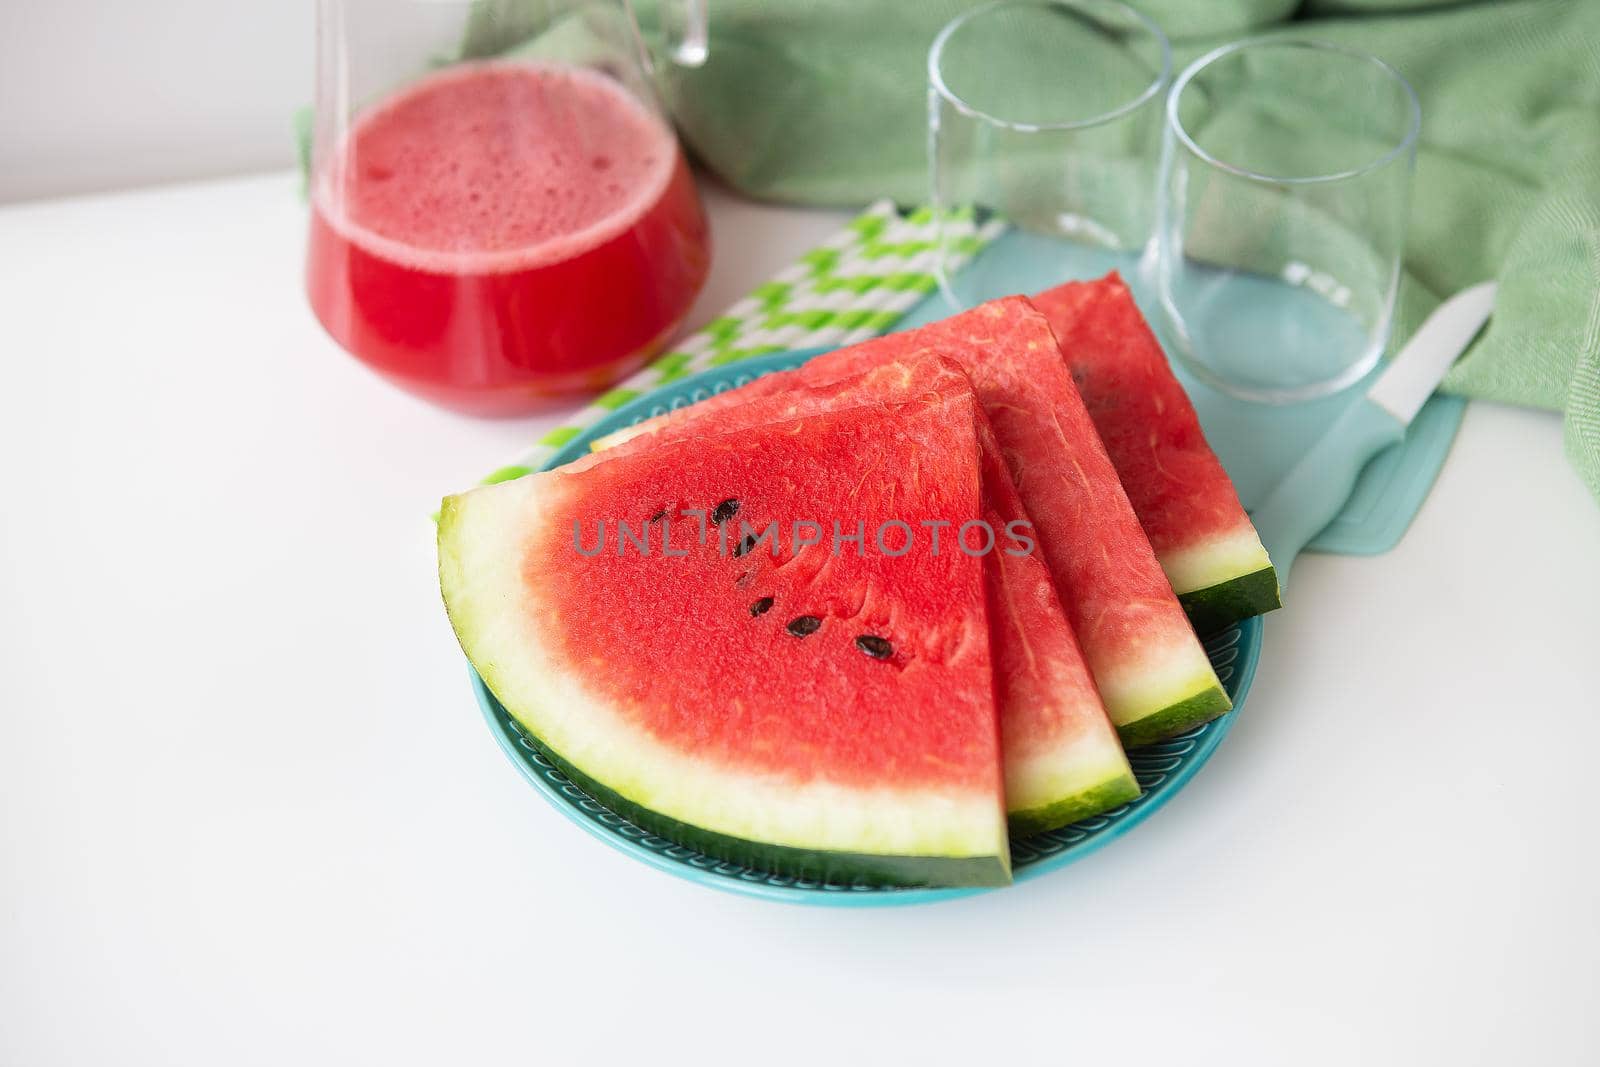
98,94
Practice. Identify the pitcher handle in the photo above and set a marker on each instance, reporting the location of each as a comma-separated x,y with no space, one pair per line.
687,34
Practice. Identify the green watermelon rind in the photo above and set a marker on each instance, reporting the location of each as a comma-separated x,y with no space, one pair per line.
1216,607
839,868
1174,719
1109,794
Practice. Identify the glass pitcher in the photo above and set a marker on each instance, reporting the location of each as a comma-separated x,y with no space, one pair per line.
500,212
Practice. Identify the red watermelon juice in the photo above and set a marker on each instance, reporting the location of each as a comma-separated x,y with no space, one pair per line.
500,233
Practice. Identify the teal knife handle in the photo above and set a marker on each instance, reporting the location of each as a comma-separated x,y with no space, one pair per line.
1316,487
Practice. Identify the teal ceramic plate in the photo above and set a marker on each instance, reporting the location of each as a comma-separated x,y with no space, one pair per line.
1162,769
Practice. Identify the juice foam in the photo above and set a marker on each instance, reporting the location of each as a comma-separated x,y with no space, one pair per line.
497,167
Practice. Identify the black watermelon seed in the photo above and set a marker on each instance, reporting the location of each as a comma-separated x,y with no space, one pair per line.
804,625
658,516
724,511
876,647
744,546
761,607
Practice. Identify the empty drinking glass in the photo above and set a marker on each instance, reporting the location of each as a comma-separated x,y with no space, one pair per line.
1287,184
1044,115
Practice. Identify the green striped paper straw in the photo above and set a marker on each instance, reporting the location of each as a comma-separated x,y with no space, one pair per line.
855,285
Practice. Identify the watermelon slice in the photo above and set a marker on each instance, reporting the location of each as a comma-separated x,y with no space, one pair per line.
1062,759
1062,756
1184,499
1149,666
809,711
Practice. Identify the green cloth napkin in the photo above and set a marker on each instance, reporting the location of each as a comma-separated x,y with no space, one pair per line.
824,102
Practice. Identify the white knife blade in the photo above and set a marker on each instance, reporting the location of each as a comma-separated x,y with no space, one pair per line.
1419,367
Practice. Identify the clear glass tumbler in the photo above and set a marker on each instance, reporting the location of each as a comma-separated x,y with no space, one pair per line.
500,212
1044,115
1287,185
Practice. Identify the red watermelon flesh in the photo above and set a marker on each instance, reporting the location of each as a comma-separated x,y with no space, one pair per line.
1063,761
1062,756
1184,499
1149,666
812,712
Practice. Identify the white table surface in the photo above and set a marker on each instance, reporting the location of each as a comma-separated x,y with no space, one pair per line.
249,813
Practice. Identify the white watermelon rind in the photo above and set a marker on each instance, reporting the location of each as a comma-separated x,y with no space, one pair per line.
882,835
1223,579
1149,703
1054,789
1178,717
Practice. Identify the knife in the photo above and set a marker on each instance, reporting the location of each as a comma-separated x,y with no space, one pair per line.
1316,487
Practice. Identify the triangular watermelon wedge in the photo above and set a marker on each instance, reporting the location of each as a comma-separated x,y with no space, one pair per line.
812,712
1151,670
1063,761
1184,499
